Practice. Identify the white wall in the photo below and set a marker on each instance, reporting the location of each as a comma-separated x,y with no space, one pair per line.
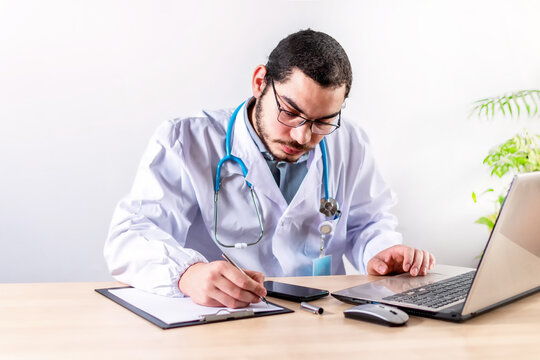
83,84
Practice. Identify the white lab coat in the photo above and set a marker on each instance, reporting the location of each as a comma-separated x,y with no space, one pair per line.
166,223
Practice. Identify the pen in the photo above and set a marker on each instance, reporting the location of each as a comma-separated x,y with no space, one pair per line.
242,271
311,308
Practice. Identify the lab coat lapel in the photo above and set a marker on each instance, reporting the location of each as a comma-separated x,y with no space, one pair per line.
258,172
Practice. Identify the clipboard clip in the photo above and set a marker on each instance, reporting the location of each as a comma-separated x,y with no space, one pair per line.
224,314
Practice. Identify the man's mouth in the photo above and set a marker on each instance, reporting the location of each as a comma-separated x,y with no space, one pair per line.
291,151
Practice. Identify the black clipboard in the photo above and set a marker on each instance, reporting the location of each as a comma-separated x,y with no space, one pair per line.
219,316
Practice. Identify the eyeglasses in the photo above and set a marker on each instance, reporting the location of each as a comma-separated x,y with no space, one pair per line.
322,126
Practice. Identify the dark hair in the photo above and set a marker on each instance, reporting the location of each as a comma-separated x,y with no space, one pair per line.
316,54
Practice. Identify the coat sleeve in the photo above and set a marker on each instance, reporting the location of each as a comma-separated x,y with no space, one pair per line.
371,227
145,245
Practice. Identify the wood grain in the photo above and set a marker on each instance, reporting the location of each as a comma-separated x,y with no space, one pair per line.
71,321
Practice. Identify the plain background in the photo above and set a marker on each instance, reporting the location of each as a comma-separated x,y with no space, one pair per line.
83,85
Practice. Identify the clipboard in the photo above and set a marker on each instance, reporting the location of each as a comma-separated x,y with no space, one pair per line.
203,315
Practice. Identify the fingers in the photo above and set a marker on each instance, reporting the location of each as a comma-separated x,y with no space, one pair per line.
221,284
408,258
232,296
428,263
245,282
417,262
257,276
401,258
421,263
377,266
432,261
235,289
240,287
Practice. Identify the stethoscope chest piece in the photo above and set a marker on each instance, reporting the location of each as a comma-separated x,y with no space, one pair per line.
329,207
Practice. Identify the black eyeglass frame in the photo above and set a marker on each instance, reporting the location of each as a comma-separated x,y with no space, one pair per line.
311,122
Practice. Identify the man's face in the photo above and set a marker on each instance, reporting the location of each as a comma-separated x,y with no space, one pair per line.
301,95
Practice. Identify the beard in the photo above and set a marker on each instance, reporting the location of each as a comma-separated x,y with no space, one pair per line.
265,137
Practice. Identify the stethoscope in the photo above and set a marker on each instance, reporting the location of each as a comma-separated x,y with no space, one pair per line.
329,206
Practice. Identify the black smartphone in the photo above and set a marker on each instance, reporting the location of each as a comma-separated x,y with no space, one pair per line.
293,292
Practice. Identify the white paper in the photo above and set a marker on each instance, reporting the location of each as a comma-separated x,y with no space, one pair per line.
175,310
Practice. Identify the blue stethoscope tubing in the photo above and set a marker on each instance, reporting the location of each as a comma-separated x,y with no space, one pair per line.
229,157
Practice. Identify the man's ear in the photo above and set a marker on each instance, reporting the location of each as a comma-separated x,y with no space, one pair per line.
258,83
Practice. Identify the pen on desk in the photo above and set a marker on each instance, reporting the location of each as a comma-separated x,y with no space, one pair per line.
311,308
242,271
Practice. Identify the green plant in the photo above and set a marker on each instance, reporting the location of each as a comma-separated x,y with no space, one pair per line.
511,103
518,154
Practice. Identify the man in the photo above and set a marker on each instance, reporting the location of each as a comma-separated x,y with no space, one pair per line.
168,235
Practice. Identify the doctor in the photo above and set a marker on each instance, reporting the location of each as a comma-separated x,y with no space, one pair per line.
299,190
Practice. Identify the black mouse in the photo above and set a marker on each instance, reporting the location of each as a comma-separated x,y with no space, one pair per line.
378,313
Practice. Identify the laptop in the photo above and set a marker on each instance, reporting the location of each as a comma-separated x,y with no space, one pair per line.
508,270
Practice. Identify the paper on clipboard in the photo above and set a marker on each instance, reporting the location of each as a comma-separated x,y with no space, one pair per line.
176,310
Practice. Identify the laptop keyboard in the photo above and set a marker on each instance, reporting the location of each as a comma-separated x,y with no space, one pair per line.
437,294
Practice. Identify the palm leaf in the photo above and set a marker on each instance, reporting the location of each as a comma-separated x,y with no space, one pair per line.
509,104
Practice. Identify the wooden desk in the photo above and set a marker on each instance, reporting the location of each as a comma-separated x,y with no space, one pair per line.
71,321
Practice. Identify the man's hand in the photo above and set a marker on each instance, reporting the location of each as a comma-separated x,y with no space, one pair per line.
400,259
221,284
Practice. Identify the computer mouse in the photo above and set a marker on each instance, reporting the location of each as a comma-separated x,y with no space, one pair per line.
378,313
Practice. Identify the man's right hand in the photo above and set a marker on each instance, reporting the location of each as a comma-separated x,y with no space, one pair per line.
219,283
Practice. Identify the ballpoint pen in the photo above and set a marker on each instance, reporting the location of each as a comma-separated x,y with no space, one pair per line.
242,271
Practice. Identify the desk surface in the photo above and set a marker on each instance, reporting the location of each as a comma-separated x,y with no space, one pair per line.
71,321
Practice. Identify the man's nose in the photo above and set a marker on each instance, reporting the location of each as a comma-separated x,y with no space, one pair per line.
302,134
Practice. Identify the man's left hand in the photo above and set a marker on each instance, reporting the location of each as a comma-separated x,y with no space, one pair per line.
400,259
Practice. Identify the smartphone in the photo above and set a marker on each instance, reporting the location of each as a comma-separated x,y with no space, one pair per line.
293,292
